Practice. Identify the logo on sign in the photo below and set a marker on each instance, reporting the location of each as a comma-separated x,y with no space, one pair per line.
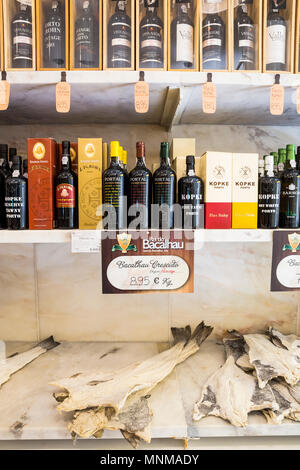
293,245
124,240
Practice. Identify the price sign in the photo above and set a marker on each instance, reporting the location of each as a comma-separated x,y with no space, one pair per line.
86,241
141,97
4,95
63,97
143,261
276,100
285,261
209,98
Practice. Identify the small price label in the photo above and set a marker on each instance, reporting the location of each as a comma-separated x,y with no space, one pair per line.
63,97
141,97
87,242
209,98
276,100
4,95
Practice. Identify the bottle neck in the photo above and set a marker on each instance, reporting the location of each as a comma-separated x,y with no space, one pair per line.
190,170
269,171
165,159
16,170
121,6
114,161
140,161
66,162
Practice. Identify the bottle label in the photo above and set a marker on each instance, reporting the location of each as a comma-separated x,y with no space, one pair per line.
65,196
113,187
212,37
151,44
83,37
139,190
184,43
275,44
121,43
22,40
14,206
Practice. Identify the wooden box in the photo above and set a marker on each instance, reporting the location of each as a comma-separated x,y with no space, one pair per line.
157,37
297,40
246,36
184,55
23,58
85,47
52,39
278,39
215,35
111,59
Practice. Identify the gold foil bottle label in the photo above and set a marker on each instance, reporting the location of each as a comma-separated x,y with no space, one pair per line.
209,98
141,97
4,94
63,97
276,99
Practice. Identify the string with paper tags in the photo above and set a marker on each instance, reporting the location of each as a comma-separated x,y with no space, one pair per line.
4,92
276,97
63,95
209,96
141,95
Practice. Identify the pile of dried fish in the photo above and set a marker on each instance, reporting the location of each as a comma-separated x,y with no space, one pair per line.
119,400
261,372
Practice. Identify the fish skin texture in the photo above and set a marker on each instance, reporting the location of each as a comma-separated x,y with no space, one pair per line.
289,342
295,391
236,346
288,406
230,393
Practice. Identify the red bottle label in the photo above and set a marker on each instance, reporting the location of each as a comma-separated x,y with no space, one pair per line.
65,196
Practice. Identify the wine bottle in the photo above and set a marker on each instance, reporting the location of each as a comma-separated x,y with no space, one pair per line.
86,38
213,40
182,37
21,36
11,153
66,190
140,189
164,190
268,197
4,174
290,192
151,37
281,162
54,37
16,197
244,38
191,197
25,168
119,37
298,159
276,39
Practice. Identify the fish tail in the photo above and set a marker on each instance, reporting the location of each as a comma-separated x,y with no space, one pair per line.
181,335
201,332
48,343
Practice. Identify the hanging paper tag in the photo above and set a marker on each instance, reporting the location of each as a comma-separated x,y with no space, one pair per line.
276,99
26,2
209,98
298,99
4,94
63,97
141,97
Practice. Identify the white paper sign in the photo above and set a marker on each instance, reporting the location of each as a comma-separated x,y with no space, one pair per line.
288,271
86,241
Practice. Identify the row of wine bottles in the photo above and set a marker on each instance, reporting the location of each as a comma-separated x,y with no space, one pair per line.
152,51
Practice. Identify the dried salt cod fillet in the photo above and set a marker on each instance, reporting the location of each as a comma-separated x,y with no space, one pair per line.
235,346
295,391
290,342
271,361
112,390
288,406
18,361
231,394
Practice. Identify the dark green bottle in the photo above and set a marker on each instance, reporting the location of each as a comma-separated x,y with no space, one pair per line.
164,190
281,162
290,192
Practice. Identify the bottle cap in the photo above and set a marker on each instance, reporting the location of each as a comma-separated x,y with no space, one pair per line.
114,148
298,150
190,160
12,153
66,147
3,150
125,157
290,151
17,161
86,4
140,149
120,153
164,149
269,160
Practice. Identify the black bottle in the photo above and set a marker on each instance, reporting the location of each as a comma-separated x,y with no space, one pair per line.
151,37
191,197
140,190
21,37
244,39
66,190
5,172
182,37
276,38
16,197
119,37
25,168
114,186
87,38
298,159
11,153
164,191
54,37
268,197
213,42
290,192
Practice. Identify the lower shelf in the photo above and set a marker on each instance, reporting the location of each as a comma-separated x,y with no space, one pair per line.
28,409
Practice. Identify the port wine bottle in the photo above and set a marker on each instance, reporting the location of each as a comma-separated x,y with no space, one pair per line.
276,39
151,37
11,153
54,37
16,197
86,38
140,189
290,192
66,190
21,36
119,37
268,197
244,38
164,190
191,197
213,40
5,172
182,37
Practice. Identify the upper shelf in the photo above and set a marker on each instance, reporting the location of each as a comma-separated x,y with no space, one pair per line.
175,98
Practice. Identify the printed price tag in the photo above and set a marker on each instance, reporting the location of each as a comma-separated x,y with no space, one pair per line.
285,274
4,94
209,98
298,99
141,97
63,97
276,99
26,2
88,241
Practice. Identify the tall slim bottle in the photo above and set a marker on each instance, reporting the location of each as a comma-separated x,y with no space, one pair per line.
276,35
290,192
244,39
191,197
4,174
151,37
86,38
21,36
213,40
164,190
66,192
140,189
268,197
119,37
182,37
16,197
54,37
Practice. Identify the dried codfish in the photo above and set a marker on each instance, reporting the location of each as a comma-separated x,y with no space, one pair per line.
290,342
295,391
230,393
18,361
271,361
96,389
288,406
235,346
